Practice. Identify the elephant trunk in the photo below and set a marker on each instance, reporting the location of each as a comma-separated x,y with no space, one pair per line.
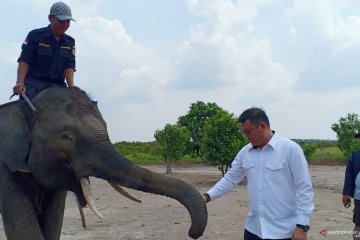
113,167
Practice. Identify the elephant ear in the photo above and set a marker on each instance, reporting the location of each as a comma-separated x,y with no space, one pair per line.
15,122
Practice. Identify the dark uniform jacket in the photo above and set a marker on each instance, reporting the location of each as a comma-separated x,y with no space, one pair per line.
47,58
352,170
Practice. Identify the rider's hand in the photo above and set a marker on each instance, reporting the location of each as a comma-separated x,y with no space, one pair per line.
18,88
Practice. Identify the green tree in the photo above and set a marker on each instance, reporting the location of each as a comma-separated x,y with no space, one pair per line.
309,149
194,122
173,139
222,139
345,130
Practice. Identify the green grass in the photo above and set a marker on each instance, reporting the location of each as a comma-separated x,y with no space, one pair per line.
330,155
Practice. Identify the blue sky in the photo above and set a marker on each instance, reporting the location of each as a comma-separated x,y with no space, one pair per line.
146,61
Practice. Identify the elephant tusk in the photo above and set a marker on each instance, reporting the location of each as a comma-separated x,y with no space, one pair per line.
85,185
123,192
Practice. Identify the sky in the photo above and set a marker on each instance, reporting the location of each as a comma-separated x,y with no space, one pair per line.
146,61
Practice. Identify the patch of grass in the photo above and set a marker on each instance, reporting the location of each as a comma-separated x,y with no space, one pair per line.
328,155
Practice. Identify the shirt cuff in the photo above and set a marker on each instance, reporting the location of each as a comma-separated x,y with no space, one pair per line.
303,220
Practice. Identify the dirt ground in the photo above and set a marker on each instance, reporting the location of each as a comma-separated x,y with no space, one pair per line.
162,218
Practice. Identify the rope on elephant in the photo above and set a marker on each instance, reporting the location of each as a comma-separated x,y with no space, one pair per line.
39,193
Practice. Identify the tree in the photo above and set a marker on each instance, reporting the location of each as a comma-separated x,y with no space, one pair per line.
194,122
173,139
345,130
222,139
309,149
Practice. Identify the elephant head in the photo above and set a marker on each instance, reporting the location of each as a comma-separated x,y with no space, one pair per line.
44,154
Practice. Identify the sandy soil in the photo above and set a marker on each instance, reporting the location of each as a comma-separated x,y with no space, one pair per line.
158,217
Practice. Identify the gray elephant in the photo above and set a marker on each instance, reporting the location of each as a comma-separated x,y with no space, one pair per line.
55,149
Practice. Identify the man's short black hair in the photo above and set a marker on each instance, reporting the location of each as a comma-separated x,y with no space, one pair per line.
255,116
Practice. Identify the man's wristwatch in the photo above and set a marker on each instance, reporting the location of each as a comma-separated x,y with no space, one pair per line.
207,197
303,227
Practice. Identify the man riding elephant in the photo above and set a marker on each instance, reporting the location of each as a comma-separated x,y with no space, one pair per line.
47,58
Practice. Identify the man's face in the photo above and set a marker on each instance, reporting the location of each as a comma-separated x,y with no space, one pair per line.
254,133
59,27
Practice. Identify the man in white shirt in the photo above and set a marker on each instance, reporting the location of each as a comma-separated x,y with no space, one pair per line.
280,193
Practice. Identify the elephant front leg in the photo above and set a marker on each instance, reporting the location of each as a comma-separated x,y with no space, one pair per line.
52,216
18,214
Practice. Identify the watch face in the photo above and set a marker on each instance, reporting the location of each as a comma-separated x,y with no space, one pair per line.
303,227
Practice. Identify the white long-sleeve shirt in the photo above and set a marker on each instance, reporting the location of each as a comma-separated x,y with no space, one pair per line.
280,193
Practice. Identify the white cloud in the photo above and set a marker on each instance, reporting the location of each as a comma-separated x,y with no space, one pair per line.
222,50
296,59
328,37
120,67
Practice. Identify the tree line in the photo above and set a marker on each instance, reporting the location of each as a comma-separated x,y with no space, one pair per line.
213,134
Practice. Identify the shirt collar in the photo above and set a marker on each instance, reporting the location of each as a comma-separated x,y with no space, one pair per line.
272,143
48,31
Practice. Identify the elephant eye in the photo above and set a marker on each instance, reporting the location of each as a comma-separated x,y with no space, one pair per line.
66,136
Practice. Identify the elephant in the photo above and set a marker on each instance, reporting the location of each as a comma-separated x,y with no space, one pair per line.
55,149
